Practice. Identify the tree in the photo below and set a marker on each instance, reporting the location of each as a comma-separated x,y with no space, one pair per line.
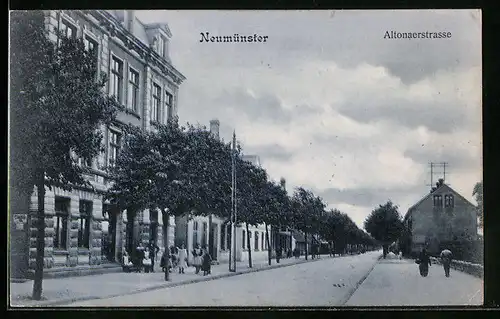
306,209
478,194
57,107
385,224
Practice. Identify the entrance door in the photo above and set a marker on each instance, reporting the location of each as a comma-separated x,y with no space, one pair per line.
212,241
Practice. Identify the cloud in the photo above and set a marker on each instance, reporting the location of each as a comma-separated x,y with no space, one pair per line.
331,105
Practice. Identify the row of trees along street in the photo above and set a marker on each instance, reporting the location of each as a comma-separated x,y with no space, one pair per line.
57,109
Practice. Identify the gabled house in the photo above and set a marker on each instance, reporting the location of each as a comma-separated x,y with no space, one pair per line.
442,218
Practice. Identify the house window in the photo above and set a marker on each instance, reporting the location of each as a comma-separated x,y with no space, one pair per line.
68,29
448,201
61,226
84,224
133,89
204,235
256,238
243,239
90,45
114,147
262,241
155,111
169,105
86,162
116,79
195,233
161,46
438,201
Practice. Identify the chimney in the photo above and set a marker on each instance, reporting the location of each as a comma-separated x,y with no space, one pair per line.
214,128
128,19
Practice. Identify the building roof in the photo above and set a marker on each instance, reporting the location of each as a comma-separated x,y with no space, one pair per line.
431,193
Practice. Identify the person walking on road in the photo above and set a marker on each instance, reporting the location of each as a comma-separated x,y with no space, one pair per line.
424,262
446,257
153,251
197,253
182,259
206,262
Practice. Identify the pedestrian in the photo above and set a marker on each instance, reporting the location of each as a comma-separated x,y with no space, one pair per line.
206,262
197,253
173,257
424,262
446,258
164,264
146,261
153,251
182,256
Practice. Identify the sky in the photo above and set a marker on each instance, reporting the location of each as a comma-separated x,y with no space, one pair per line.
332,106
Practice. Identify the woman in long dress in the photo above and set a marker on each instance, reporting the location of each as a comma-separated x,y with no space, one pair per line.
182,256
197,253
424,262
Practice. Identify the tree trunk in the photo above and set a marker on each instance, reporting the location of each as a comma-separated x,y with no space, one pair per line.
40,237
306,242
268,247
166,224
384,250
130,233
249,248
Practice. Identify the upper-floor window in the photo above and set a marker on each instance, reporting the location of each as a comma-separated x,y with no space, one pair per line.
195,233
133,89
155,110
169,99
438,201
114,147
448,201
90,45
68,29
161,46
116,79
87,162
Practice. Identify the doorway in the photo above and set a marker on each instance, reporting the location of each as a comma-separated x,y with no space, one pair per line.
212,241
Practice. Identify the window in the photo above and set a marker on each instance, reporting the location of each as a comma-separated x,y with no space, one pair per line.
256,241
133,89
155,111
87,162
448,201
114,147
68,29
116,79
90,45
204,235
161,46
223,237
84,224
438,201
262,241
61,225
169,105
243,239
195,233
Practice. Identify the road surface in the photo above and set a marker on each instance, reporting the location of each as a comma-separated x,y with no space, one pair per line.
328,282
396,282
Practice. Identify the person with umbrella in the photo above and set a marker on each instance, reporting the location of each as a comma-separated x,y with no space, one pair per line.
446,257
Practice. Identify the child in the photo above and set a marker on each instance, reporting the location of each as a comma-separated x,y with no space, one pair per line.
206,262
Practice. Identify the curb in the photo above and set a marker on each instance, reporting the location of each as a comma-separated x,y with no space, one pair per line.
353,289
168,284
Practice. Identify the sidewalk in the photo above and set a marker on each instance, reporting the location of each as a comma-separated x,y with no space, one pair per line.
395,282
59,291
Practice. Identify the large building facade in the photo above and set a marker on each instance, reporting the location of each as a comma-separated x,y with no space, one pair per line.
439,220
81,228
